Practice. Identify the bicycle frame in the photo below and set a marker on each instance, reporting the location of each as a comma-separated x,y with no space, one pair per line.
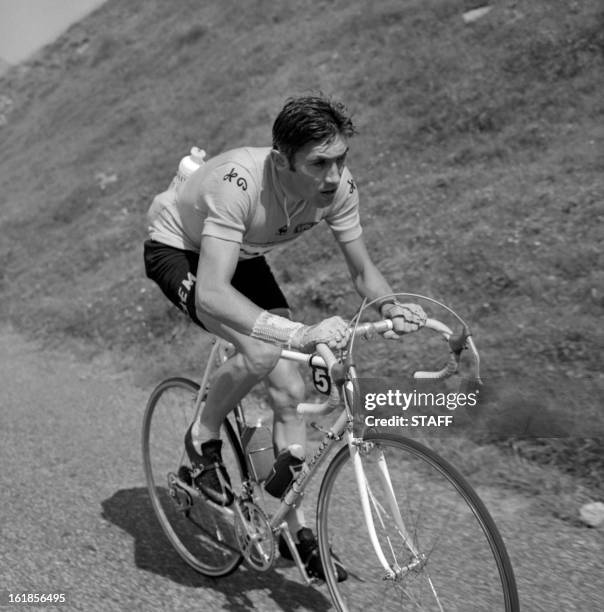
342,428
411,499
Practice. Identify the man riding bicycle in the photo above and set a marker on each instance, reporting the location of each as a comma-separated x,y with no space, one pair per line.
206,251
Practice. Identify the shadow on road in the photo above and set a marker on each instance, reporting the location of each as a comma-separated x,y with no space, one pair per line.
130,510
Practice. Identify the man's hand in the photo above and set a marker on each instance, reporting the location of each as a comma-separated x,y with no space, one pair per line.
406,318
333,331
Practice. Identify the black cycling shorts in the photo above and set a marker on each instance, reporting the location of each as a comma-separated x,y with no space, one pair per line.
174,271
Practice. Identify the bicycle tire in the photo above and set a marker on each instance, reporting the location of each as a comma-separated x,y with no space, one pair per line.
203,535
465,564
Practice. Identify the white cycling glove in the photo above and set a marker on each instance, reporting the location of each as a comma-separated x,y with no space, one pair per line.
333,331
278,330
406,318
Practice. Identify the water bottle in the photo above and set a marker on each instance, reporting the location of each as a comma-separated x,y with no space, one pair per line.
289,462
258,446
187,166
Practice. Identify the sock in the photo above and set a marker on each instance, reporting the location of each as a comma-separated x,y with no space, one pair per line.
295,522
200,434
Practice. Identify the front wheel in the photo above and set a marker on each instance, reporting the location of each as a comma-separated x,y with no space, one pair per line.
202,533
443,549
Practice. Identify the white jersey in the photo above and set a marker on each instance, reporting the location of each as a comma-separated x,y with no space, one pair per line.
236,196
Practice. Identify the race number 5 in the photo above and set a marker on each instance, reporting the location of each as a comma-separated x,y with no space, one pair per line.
320,378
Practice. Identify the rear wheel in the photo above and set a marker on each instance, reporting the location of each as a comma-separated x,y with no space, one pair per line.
453,558
202,533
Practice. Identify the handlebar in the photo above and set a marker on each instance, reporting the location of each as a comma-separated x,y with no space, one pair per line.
370,330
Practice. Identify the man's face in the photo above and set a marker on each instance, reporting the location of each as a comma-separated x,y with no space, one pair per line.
318,169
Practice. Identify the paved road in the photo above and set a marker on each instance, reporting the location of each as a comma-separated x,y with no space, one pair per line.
75,516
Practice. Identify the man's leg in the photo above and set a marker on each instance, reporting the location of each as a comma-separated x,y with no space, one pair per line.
285,389
254,361
233,379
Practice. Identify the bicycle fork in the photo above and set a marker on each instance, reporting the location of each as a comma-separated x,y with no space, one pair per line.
392,571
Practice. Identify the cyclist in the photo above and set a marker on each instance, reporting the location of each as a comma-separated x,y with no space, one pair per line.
206,250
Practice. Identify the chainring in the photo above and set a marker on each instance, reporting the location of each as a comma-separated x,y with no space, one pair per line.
255,536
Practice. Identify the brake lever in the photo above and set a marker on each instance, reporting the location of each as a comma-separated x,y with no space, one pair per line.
456,345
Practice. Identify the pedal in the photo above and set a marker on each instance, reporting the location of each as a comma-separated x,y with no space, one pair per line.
287,536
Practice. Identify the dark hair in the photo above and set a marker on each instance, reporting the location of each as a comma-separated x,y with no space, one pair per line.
309,119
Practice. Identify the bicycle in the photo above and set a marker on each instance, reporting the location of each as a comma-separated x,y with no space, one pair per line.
409,528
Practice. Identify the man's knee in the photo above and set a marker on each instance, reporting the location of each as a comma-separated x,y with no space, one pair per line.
260,358
287,392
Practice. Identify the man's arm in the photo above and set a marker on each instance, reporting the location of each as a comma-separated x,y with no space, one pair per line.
367,279
370,283
215,296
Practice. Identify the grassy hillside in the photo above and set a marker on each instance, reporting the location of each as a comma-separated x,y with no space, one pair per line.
4,66
479,163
